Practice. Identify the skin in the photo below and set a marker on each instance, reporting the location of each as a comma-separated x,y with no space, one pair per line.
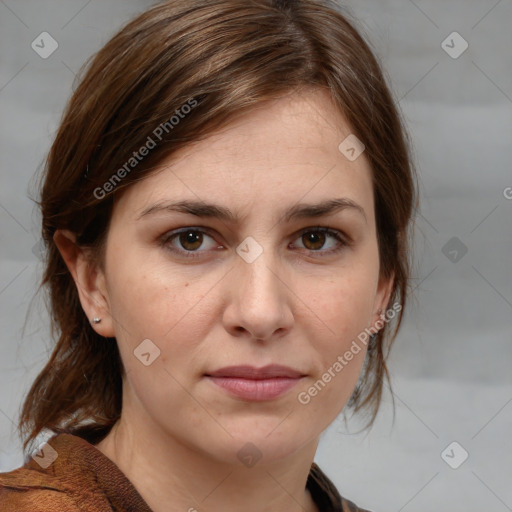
179,434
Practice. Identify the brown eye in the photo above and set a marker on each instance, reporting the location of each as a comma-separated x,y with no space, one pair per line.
190,240
313,240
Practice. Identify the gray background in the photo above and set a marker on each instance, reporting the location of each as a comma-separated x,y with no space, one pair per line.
451,363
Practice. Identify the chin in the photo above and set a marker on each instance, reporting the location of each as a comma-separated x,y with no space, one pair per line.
266,439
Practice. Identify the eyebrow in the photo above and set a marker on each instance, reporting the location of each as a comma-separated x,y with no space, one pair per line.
298,211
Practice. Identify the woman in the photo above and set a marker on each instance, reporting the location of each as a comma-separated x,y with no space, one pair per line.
226,209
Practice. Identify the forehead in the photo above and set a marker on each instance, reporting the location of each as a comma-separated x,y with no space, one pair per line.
280,152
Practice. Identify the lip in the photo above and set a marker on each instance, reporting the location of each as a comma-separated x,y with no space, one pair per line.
256,384
250,372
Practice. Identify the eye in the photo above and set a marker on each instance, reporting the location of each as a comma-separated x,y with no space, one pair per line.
188,241
314,239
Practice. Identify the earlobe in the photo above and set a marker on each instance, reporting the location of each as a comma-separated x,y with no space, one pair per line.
89,281
382,298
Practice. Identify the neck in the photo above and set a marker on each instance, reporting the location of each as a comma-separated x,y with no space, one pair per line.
172,477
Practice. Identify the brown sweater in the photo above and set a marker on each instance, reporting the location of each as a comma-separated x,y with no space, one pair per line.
83,479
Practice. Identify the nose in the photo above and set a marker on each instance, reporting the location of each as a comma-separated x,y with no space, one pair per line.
260,299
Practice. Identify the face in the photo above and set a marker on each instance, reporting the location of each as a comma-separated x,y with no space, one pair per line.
254,287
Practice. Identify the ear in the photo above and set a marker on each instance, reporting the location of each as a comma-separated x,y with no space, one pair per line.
89,280
382,297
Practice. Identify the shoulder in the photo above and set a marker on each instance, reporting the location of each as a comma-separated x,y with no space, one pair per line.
54,479
30,491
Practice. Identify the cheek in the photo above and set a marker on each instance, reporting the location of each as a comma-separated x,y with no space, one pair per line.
158,303
343,308
141,288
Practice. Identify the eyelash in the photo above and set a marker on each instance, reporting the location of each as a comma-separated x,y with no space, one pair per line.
168,237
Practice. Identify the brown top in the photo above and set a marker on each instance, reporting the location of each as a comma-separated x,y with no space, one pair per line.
72,475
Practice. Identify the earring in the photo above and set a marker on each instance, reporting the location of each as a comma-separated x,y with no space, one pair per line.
96,320
379,312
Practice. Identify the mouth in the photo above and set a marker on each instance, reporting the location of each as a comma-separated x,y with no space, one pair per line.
256,384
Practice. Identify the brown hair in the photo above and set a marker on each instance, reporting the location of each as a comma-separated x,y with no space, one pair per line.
228,56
